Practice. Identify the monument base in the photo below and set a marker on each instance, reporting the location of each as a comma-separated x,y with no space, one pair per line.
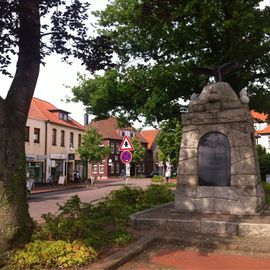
235,200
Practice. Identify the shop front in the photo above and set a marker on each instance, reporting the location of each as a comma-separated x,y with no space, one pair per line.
35,166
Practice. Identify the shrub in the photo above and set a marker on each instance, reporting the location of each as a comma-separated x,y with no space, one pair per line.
87,227
49,254
266,187
157,179
156,195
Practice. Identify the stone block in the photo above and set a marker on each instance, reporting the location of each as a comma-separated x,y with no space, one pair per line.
224,205
228,193
244,180
183,226
204,205
191,166
187,191
254,229
246,166
205,192
247,206
190,139
221,228
187,153
184,203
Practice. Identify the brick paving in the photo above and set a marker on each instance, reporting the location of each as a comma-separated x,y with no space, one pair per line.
172,257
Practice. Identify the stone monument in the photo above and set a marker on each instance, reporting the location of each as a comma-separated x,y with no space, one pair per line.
218,167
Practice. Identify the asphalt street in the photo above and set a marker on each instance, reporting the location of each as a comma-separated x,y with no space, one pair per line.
41,203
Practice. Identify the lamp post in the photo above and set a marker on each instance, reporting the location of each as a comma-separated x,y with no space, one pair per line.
70,148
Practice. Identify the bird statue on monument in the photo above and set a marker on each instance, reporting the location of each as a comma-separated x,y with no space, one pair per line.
219,72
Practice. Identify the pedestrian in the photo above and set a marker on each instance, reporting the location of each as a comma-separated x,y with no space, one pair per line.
123,174
75,177
78,176
167,175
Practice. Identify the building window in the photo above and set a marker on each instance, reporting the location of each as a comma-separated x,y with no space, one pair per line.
95,168
268,141
79,139
143,168
112,168
127,133
54,134
71,141
117,148
117,168
101,167
116,158
36,135
62,138
63,116
26,133
112,148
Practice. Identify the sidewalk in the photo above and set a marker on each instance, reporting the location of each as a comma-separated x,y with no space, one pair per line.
57,187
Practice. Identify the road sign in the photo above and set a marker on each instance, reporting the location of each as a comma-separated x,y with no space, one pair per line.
126,144
126,157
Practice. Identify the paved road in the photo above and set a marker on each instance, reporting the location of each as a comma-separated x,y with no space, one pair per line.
47,202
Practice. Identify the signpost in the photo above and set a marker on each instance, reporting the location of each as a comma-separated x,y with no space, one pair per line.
126,156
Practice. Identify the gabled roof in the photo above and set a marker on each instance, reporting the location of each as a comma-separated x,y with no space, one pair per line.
264,131
259,116
109,130
45,111
151,137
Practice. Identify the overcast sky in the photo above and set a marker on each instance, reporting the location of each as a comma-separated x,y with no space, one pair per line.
56,74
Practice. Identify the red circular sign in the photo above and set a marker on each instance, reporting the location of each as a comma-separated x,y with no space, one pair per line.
126,156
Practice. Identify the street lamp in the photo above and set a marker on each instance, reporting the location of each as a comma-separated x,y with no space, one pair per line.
70,148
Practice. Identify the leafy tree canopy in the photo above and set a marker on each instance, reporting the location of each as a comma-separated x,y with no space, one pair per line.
63,30
164,47
169,141
92,148
138,153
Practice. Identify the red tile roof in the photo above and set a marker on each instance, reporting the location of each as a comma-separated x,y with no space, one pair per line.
109,130
42,110
151,137
259,116
264,131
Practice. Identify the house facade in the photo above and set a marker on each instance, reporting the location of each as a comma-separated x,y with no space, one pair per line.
51,141
262,127
111,166
151,137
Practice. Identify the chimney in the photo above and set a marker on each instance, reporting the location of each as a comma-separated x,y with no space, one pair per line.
86,119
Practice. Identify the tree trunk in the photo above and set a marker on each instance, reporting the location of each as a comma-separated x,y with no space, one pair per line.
16,225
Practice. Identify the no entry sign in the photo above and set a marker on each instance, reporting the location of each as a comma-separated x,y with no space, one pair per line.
126,156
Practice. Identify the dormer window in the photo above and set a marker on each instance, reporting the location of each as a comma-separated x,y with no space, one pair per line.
126,132
63,115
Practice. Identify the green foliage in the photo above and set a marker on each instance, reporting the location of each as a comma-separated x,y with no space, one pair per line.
264,161
163,48
157,194
92,148
50,254
266,187
260,150
71,237
138,154
157,179
99,225
169,141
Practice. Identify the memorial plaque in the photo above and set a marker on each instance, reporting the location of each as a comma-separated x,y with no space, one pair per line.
214,160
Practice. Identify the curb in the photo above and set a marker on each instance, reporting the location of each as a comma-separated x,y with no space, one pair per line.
124,255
